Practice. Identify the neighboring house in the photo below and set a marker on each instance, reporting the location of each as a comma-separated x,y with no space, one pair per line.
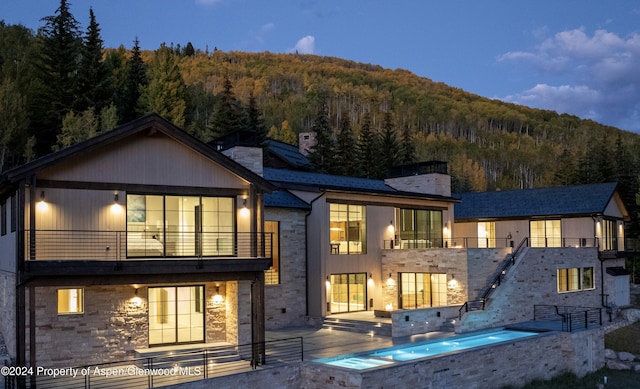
140,237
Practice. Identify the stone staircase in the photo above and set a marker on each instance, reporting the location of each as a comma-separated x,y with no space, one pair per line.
357,326
448,325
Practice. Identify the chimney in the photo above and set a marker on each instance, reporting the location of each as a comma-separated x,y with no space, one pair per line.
306,141
249,157
424,177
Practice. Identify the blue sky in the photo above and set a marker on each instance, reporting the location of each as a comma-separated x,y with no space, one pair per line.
576,56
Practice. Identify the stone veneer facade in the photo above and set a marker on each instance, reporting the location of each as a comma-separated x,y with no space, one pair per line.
113,326
285,303
8,311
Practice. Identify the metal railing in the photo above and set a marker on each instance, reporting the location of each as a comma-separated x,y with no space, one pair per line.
120,245
495,282
165,369
484,243
571,318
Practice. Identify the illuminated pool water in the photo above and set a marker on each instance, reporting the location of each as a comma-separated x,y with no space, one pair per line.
388,356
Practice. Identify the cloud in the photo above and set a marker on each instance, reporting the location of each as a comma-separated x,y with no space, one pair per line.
598,75
305,45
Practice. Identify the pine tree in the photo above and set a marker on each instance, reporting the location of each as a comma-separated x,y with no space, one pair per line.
93,79
389,143
136,81
368,151
165,94
228,113
61,49
322,153
255,123
345,148
407,147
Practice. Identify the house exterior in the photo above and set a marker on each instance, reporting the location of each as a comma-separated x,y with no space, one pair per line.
139,238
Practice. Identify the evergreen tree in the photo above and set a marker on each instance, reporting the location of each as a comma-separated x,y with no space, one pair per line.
407,147
345,148
165,93
566,171
60,51
389,143
93,79
189,51
13,118
136,81
199,111
228,113
368,151
255,123
322,153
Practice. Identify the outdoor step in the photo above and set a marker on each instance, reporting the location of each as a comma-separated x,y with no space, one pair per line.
357,326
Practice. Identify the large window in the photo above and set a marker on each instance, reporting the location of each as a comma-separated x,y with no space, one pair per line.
347,229
348,292
176,315
575,278
609,239
272,276
422,290
486,235
545,233
70,301
180,225
420,228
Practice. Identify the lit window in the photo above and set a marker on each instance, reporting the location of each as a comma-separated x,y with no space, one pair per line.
575,279
347,229
272,276
70,301
545,233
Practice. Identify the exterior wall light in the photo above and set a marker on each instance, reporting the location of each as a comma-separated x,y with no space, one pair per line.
390,281
217,298
244,211
136,300
116,208
370,281
42,204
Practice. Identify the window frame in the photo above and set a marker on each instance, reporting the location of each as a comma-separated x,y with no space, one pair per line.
275,254
437,289
575,279
80,300
411,232
351,227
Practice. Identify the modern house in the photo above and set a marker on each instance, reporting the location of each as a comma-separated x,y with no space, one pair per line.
140,237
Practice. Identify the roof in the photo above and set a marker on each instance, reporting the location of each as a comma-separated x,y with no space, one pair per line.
288,154
150,123
284,199
293,179
591,199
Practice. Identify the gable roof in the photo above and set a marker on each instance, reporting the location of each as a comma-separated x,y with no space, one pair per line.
284,199
150,124
293,179
591,199
288,154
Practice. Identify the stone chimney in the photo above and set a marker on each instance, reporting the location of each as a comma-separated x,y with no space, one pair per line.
306,141
249,157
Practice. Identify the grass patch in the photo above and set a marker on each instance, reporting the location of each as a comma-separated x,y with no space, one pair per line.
624,339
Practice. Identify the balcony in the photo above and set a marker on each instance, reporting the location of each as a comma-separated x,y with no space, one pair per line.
476,242
83,245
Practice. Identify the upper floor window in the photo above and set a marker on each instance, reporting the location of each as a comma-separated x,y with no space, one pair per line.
486,235
575,278
160,225
422,290
545,233
420,228
609,240
347,229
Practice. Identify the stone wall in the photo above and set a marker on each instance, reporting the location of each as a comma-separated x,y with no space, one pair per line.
285,303
8,313
114,324
533,280
407,322
452,262
511,363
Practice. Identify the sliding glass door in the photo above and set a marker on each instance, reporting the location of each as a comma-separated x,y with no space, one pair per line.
176,315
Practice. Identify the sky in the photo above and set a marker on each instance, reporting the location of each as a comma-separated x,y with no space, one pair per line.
580,57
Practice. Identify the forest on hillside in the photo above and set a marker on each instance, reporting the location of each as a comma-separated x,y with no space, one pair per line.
60,85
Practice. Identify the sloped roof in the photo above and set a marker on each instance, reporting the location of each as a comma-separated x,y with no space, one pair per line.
293,179
151,123
284,199
288,153
591,199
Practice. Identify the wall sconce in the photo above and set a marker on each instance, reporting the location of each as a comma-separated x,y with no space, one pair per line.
244,211
370,280
509,236
390,281
391,228
42,204
453,283
217,298
327,283
136,300
115,207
